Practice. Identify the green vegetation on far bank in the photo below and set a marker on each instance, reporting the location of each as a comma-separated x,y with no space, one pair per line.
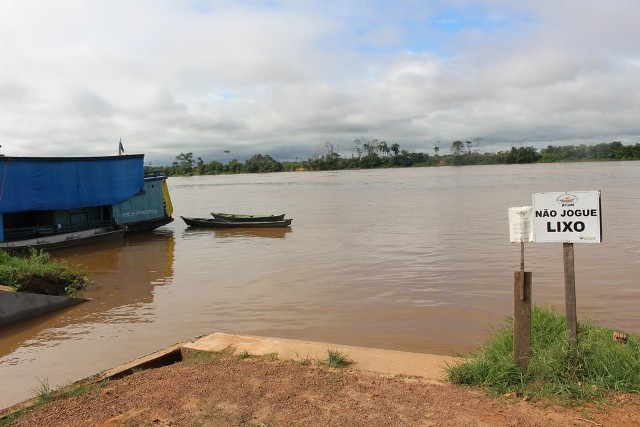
599,365
371,154
36,273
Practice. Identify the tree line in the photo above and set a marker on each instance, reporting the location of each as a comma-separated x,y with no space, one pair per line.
369,154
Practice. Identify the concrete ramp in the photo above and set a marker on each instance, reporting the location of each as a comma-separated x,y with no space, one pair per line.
389,362
15,306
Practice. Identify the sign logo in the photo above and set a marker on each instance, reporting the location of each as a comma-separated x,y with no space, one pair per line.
567,198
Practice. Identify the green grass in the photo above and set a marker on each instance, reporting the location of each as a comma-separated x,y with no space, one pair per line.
271,357
304,361
335,359
19,272
44,393
599,365
10,418
244,355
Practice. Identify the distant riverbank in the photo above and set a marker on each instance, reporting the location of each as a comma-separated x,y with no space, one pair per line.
376,154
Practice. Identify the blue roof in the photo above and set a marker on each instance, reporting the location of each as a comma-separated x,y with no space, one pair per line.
50,183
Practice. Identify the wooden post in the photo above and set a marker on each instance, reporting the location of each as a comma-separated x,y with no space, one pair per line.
522,296
522,318
570,295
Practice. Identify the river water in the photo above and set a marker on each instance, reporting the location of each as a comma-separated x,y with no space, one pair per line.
406,259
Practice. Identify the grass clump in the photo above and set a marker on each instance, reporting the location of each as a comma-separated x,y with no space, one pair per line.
336,359
43,393
271,357
306,361
599,364
36,273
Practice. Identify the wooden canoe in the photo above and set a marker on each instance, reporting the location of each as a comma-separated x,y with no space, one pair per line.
246,218
216,223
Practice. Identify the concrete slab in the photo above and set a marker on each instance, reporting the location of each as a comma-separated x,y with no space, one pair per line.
389,362
163,357
15,306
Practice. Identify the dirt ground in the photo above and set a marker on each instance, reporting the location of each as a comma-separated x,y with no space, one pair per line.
257,391
47,285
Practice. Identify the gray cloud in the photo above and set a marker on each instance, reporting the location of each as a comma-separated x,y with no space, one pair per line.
282,78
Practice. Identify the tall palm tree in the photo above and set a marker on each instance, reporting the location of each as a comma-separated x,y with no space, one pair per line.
384,148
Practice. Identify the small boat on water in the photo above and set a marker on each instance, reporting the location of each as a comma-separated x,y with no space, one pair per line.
246,218
217,223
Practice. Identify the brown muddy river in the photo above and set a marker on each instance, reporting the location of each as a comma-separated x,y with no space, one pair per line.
406,259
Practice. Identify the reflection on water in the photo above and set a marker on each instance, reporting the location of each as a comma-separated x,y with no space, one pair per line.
406,259
273,233
125,275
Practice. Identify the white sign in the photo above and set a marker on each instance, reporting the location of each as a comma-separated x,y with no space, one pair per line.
570,217
520,224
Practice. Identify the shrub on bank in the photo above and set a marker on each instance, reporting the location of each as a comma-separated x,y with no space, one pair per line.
36,273
599,365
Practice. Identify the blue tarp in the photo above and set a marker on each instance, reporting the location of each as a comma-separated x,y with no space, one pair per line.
38,183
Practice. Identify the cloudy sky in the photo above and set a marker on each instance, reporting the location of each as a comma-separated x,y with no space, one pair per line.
283,77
